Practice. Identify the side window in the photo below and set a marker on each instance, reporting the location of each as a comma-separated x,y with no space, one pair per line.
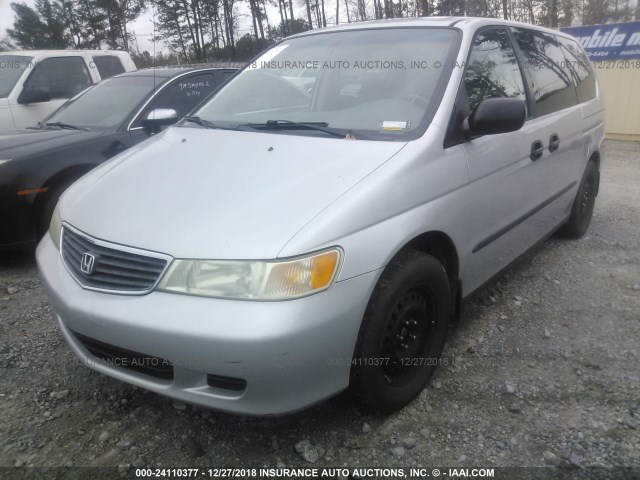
61,77
182,95
492,70
108,65
578,64
553,88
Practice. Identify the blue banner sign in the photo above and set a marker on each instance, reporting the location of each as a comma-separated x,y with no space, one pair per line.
615,41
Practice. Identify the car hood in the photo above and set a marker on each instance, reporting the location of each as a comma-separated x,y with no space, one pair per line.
196,193
25,143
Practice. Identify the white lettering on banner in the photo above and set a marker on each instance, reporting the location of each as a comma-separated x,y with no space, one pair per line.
634,39
609,39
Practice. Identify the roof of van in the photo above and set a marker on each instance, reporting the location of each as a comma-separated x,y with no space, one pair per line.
460,22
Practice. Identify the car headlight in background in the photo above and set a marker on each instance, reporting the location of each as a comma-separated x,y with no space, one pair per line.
253,280
55,227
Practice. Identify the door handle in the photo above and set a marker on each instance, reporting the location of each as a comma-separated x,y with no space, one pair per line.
537,149
554,142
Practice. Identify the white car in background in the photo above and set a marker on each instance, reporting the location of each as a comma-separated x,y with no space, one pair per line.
33,83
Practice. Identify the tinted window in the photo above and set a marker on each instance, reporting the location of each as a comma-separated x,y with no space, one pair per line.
62,77
107,104
11,67
492,70
108,66
552,83
184,94
579,66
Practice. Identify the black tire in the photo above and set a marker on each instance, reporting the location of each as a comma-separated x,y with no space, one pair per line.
48,204
582,209
402,333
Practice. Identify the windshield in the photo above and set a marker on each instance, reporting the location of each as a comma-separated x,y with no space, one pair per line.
384,83
107,104
11,67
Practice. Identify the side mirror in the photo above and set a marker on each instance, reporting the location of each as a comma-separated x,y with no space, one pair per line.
158,118
33,96
496,115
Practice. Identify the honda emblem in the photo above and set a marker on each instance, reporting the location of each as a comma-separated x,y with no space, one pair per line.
87,263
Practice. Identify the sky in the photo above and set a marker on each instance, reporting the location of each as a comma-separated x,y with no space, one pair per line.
142,27
6,17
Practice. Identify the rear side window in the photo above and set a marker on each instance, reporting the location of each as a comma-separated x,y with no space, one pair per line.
108,65
492,70
61,77
552,81
579,66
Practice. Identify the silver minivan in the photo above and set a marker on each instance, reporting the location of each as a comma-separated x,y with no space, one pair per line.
316,224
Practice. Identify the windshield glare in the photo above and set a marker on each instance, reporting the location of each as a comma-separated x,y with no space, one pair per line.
105,105
11,67
382,82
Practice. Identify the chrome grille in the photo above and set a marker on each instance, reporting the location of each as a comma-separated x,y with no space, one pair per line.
113,268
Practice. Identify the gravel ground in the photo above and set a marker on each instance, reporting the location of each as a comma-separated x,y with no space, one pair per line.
542,370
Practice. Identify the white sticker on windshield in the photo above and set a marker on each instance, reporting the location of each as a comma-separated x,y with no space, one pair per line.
390,125
269,55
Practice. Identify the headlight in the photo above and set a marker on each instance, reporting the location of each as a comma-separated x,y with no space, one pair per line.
55,227
253,280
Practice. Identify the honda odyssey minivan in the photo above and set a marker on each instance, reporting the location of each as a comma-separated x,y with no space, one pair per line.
317,223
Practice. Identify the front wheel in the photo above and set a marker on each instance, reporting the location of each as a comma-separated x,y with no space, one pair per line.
402,333
582,209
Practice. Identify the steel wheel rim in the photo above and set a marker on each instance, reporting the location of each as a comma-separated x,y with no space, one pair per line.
587,200
407,334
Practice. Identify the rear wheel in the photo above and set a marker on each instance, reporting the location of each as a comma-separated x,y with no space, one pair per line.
402,333
582,209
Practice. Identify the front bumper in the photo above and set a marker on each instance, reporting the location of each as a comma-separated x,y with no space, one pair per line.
291,354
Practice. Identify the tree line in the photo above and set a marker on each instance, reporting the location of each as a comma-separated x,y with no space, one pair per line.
214,30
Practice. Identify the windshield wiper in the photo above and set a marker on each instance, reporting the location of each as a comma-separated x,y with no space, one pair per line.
64,125
197,120
289,125
206,123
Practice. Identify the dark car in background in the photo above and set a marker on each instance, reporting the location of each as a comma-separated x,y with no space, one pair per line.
38,164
